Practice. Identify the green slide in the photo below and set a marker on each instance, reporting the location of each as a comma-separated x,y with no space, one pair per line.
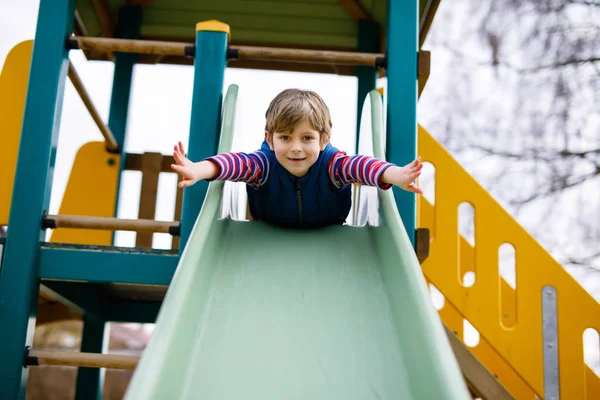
260,312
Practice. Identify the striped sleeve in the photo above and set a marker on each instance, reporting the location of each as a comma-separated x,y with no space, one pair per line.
364,170
251,168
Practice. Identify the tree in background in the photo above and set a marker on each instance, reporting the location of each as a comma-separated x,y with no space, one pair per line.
515,96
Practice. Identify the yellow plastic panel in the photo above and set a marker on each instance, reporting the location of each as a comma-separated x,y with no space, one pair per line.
91,191
486,354
520,346
13,90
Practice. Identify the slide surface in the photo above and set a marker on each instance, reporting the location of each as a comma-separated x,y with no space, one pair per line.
260,312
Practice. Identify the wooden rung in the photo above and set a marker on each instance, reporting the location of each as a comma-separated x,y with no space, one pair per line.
129,46
307,56
89,360
110,224
480,381
235,52
111,142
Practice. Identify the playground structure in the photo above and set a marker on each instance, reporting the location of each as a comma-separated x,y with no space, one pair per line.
530,335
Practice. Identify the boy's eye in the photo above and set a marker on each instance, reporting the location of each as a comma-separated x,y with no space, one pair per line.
308,138
284,137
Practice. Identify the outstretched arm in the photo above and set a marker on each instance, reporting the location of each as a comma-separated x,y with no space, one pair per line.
252,169
369,171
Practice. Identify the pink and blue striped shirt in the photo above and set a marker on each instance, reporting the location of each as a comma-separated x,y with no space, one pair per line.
253,169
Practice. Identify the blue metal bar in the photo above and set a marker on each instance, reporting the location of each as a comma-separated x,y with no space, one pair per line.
402,47
130,22
94,339
368,42
209,68
33,182
129,311
151,268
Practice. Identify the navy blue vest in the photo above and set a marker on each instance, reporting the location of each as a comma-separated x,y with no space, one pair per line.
310,201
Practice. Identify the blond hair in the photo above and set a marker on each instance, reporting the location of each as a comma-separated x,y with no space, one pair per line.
292,106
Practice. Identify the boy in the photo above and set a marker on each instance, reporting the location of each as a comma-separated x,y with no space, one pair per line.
298,178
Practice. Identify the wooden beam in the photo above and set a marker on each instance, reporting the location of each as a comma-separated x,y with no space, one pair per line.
110,224
480,381
134,162
355,10
111,143
178,207
79,27
431,7
151,168
89,360
422,244
279,54
424,69
107,20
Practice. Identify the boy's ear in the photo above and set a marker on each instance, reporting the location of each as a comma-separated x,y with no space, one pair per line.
324,141
269,140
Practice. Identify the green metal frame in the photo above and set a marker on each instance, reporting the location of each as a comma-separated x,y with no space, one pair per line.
79,296
33,180
134,311
209,70
130,21
90,381
151,268
368,42
402,74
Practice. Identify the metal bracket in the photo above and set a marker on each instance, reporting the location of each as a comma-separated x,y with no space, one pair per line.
550,343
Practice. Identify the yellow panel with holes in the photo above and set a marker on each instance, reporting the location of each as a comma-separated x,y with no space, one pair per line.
13,90
91,191
509,319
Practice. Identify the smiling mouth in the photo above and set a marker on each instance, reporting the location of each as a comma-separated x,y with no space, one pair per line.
297,159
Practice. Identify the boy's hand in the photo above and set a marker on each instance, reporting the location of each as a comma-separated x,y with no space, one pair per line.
191,172
404,177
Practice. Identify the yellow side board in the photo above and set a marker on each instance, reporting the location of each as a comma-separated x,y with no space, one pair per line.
509,320
13,90
91,191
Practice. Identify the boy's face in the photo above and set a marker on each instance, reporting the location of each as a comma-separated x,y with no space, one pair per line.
298,150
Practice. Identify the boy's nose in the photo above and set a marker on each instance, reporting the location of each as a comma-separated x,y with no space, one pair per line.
296,146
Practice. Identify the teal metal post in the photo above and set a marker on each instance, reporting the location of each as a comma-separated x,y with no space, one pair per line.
90,381
368,42
402,47
209,68
130,22
19,281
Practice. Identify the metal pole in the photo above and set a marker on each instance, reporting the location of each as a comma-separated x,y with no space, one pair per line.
402,47
368,41
94,338
130,21
19,283
205,125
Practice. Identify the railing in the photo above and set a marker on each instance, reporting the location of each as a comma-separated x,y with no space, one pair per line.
533,334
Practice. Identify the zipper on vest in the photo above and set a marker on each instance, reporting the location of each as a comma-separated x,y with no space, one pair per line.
299,200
